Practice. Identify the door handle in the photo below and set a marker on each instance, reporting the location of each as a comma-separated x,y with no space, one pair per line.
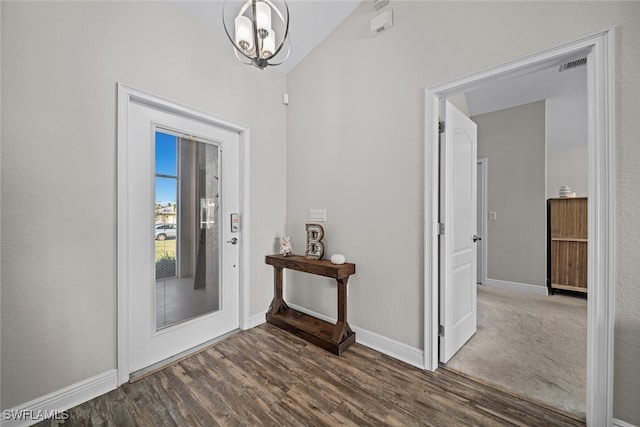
233,241
476,238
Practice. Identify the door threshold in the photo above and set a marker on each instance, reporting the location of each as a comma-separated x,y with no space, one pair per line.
152,369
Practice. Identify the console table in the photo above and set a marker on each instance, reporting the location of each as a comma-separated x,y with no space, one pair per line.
335,338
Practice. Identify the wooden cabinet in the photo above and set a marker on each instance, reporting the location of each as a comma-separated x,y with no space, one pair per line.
567,244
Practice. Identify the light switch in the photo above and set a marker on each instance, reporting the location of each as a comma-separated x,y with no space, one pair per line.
492,215
318,215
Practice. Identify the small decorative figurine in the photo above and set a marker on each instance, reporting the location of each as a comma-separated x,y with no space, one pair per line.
564,191
338,259
285,246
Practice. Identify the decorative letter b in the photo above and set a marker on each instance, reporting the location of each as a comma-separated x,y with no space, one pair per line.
315,248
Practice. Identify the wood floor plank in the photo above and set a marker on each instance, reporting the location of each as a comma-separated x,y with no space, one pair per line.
268,377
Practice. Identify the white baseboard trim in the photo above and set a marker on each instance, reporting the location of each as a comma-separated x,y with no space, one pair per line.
518,287
54,404
403,352
256,320
392,348
619,423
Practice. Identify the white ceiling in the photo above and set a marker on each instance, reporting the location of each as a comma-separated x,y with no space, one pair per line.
310,22
566,99
525,89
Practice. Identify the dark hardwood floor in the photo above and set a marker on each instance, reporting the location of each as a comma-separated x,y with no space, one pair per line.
266,376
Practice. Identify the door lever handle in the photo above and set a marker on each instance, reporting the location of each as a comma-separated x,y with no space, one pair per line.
476,238
233,241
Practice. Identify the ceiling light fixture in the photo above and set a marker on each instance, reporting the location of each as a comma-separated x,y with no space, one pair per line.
260,30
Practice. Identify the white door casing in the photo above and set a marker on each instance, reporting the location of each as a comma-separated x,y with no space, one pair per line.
458,213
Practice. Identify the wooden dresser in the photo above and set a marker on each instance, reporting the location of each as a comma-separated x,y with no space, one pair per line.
567,244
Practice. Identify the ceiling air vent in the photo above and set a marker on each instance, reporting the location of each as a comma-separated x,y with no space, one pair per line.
573,64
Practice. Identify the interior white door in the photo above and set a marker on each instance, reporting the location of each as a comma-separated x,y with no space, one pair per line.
458,204
202,166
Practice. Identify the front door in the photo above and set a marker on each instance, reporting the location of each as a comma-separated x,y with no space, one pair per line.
458,204
183,255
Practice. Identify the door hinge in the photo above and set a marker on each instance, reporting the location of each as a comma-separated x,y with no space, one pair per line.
440,331
440,127
440,228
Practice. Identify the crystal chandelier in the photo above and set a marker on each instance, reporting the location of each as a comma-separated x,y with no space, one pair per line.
259,31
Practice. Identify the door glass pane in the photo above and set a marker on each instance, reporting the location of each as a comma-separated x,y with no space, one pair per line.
187,229
166,154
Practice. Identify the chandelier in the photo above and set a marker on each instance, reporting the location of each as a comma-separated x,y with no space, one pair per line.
258,31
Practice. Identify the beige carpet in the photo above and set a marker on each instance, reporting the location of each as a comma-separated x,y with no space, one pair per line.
532,345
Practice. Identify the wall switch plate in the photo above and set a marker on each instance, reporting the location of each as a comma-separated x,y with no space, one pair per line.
492,215
318,215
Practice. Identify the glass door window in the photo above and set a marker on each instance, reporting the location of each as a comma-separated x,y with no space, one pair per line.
186,228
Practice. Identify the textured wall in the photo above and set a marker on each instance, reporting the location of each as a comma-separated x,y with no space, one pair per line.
60,65
514,142
355,147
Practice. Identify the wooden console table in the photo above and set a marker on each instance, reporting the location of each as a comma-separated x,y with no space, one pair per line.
335,338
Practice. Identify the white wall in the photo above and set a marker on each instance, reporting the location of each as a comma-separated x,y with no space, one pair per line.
567,152
568,167
567,119
514,142
355,147
60,65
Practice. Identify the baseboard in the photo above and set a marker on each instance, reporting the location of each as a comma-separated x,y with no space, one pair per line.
403,352
54,404
620,423
256,320
518,287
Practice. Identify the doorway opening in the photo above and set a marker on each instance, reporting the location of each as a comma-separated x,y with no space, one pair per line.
598,48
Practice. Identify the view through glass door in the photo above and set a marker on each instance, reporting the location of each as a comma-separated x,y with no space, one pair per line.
186,228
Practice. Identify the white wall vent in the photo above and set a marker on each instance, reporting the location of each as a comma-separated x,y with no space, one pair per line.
573,64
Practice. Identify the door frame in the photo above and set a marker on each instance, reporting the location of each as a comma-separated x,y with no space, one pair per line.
601,139
483,164
125,95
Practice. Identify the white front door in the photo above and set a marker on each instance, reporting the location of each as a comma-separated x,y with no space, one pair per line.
458,204
183,261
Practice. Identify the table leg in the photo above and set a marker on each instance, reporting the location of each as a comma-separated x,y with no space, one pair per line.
342,329
278,304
